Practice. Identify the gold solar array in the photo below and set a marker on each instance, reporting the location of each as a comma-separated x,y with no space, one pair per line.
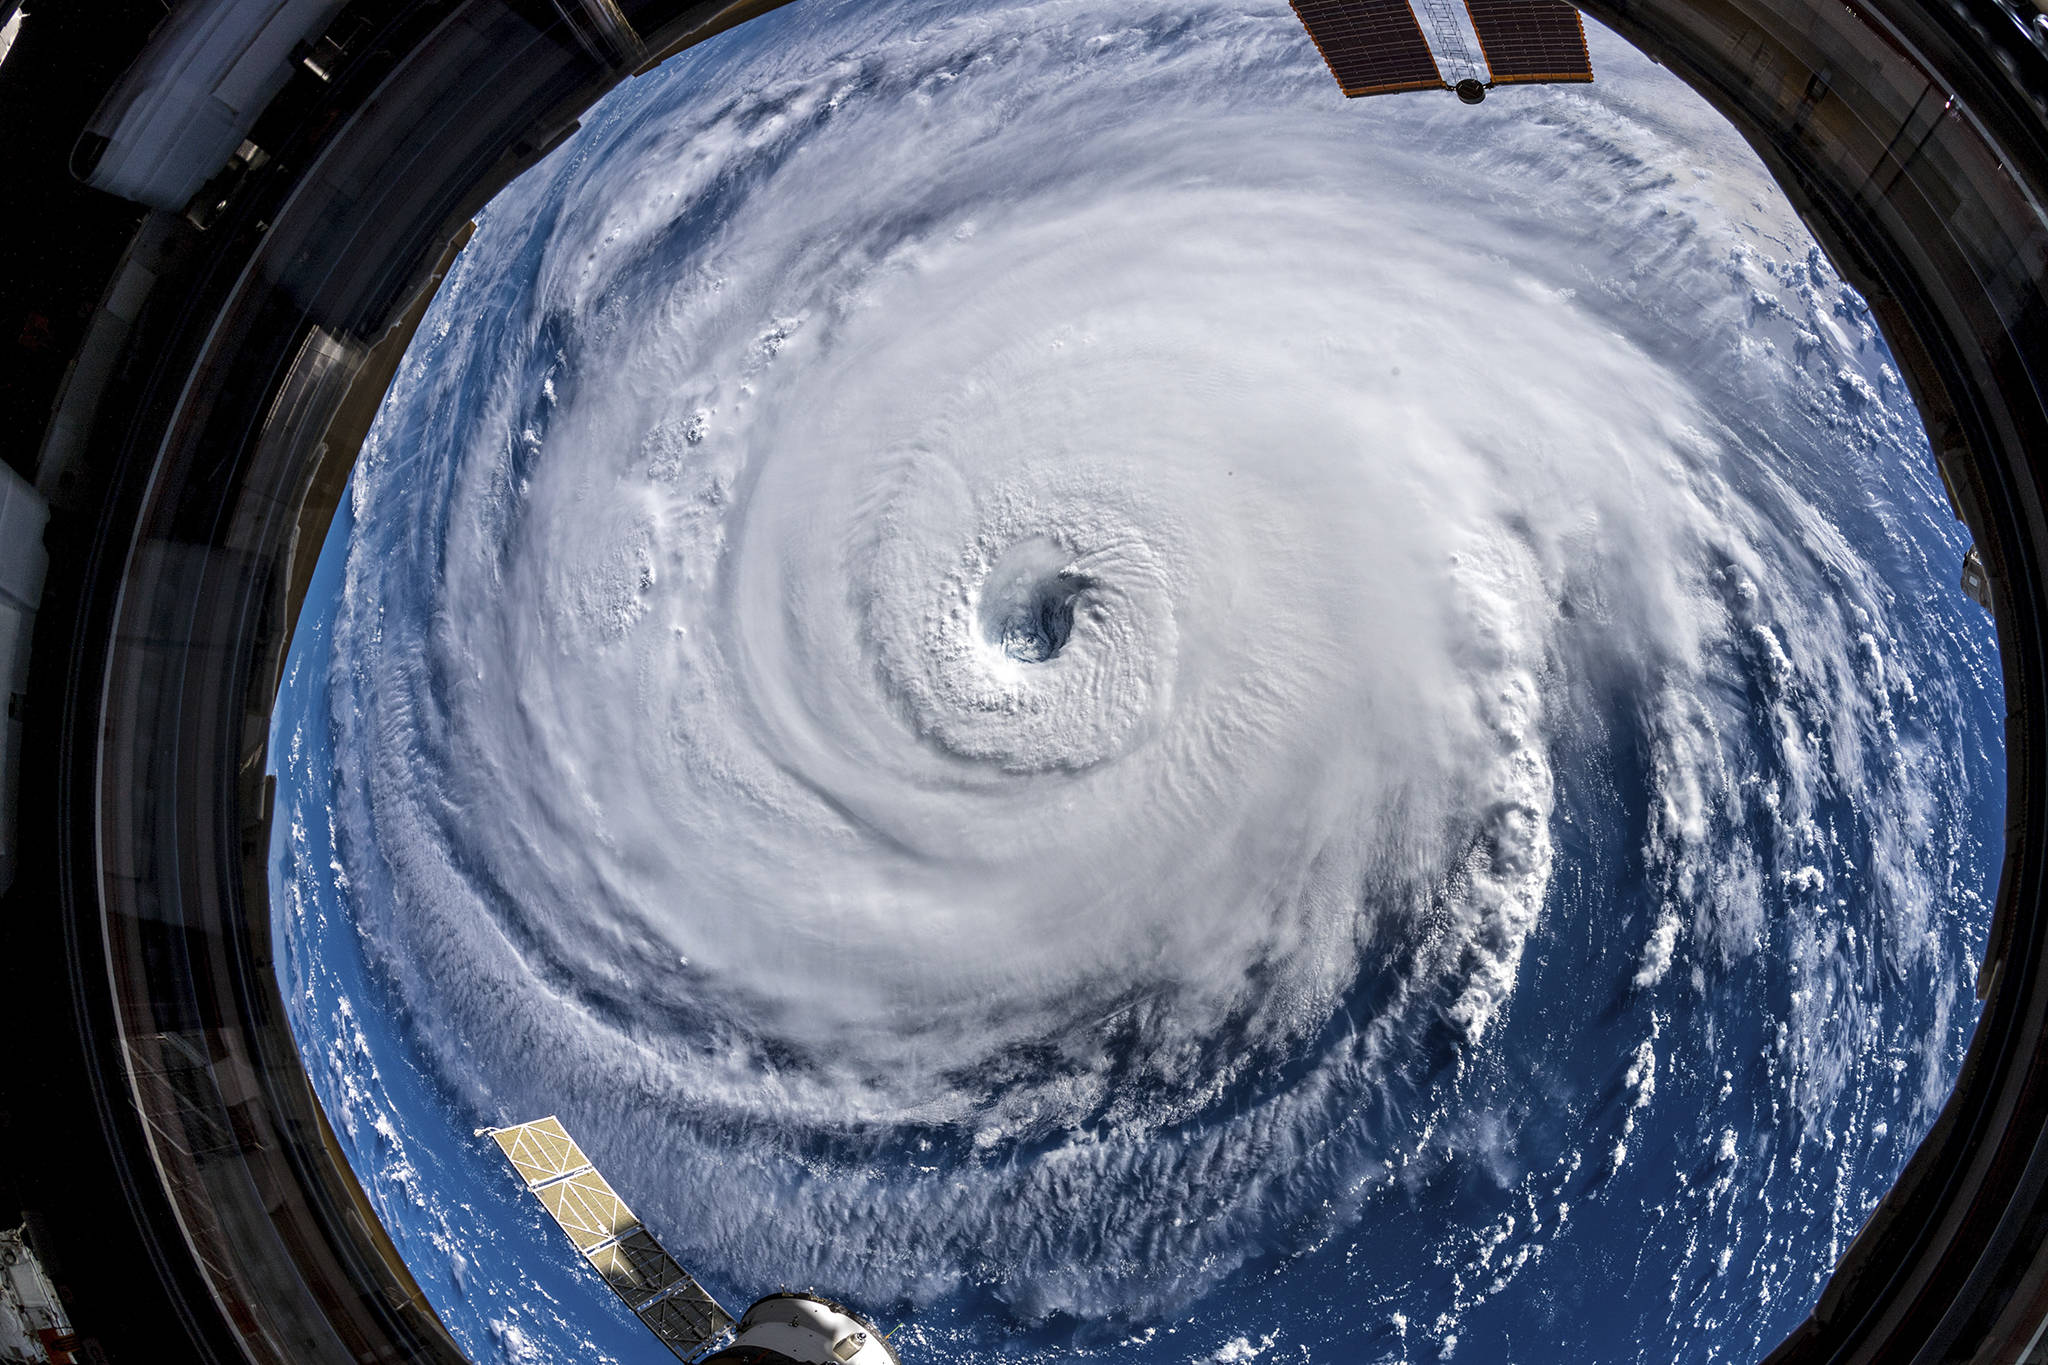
1526,41
660,1292
1372,47
540,1151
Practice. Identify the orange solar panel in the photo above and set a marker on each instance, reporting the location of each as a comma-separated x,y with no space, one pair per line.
1525,41
1373,47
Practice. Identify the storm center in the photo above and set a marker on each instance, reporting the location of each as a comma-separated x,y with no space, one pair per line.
1027,601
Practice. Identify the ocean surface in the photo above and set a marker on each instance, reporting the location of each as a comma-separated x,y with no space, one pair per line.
1049,680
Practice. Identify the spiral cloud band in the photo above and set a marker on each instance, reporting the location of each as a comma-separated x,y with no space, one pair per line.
977,640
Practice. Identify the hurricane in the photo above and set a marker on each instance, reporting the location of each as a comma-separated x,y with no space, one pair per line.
1040,673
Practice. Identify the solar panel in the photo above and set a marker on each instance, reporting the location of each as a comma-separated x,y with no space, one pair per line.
1373,47
1525,41
687,1320
558,1174
636,1267
540,1151
588,1209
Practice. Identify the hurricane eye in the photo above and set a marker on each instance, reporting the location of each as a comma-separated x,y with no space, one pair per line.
1028,600
1036,632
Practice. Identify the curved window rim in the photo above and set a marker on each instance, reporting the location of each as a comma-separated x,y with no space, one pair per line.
1912,139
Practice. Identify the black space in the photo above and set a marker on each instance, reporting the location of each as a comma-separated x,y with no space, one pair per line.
59,241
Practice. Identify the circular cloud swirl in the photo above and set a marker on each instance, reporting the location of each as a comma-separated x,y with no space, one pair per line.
974,638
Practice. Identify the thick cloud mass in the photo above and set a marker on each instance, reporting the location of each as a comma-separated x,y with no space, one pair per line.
976,642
